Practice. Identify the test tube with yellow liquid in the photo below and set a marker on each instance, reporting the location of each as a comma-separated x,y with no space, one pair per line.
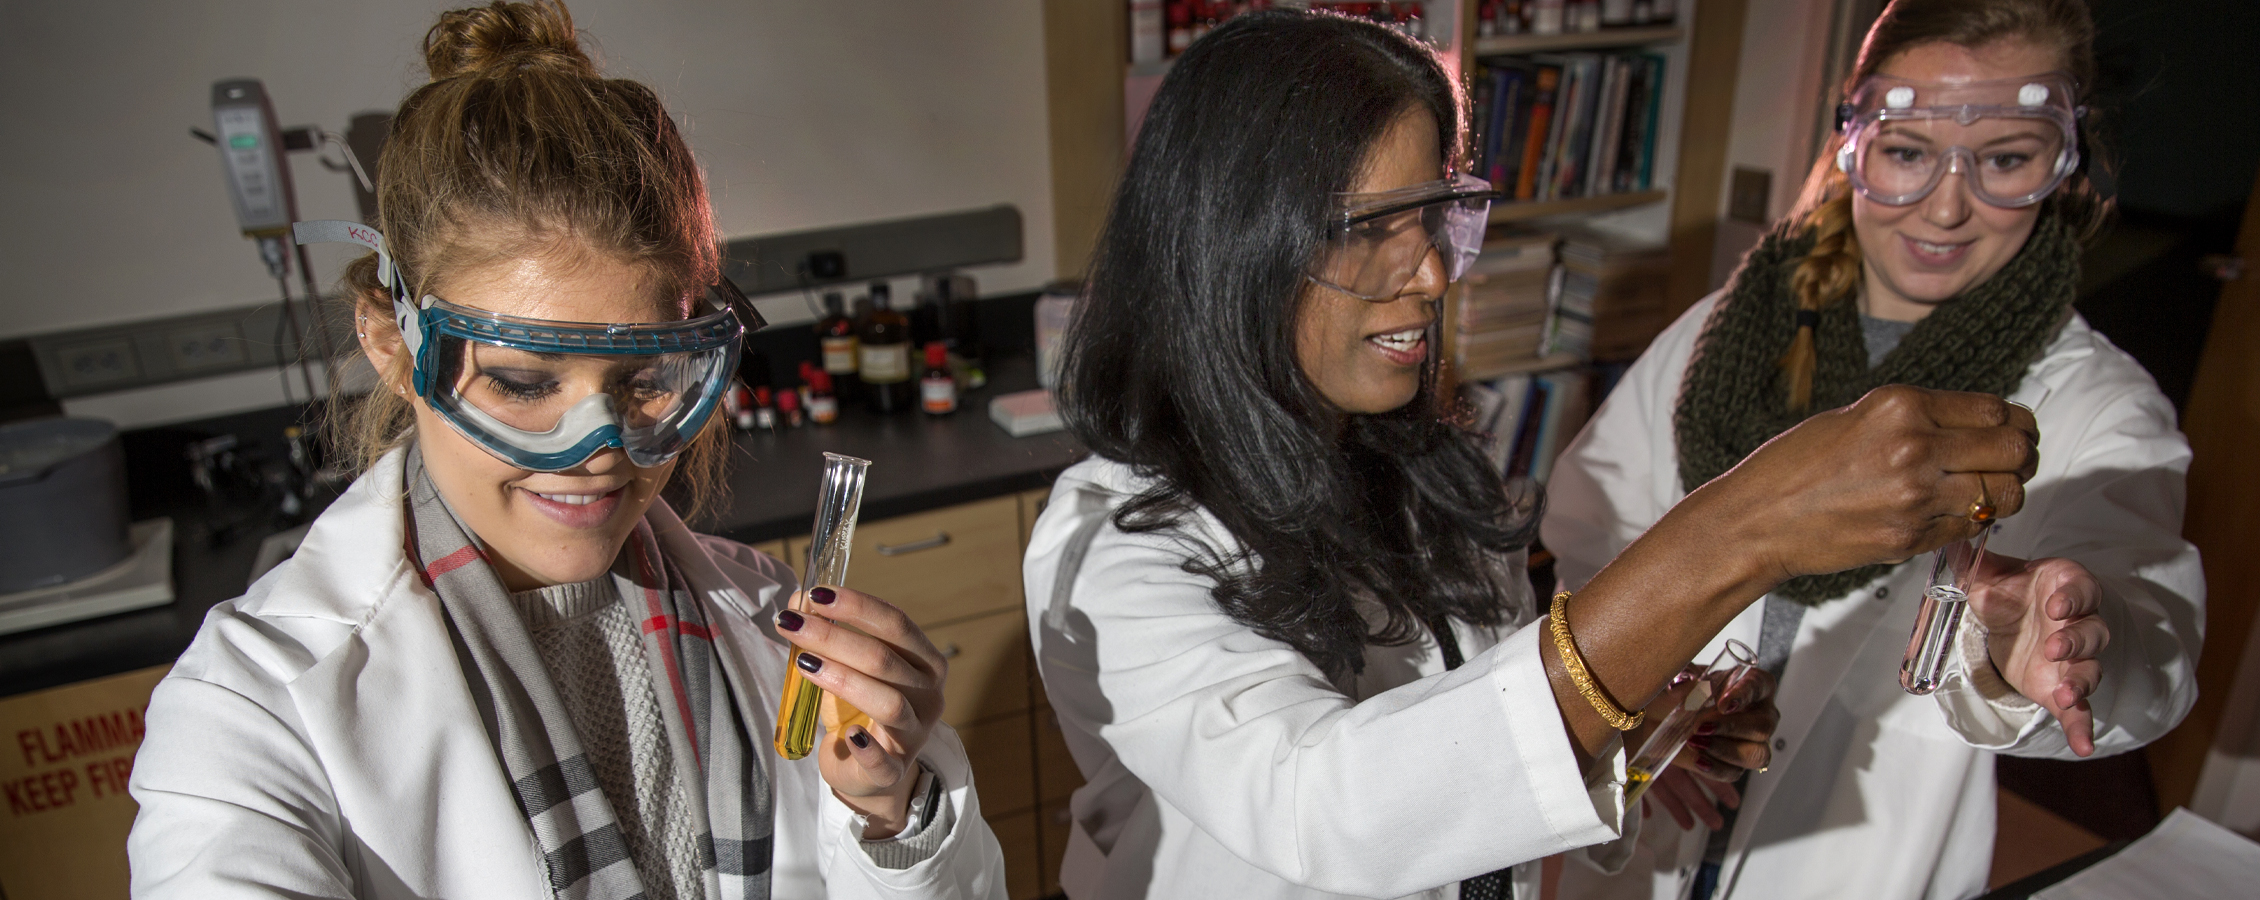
1725,673
838,500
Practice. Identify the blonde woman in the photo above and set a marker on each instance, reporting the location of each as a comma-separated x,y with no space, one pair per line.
1938,245
500,666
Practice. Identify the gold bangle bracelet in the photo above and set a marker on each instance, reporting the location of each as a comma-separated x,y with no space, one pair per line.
1615,715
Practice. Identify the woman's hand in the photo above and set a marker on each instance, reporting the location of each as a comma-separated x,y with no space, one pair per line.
1730,739
2043,634
1884,479
883,694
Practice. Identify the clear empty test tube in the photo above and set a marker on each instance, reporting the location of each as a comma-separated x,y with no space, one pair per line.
1727,671
837,502
1930,650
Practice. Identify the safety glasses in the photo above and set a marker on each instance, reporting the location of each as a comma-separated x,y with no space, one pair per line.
1376,242
546,395
2013,141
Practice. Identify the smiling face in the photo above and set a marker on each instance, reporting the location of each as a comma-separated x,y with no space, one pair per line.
1929,251
541,528
1365,356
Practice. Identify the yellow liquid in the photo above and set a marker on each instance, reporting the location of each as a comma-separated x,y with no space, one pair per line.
797,715
1636,782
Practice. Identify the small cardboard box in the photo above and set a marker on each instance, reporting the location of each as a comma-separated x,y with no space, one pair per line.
66,755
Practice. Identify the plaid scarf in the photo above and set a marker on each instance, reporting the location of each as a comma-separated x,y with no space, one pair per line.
550,776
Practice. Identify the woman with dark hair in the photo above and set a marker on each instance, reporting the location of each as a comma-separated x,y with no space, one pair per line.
1937,244
1282,613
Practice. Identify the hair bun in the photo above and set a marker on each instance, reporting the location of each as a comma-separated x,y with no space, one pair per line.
505,37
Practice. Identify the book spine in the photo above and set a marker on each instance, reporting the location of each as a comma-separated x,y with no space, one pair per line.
1541,125
1506,92
1655,110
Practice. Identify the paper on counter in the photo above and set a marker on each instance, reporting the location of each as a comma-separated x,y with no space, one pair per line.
2186,856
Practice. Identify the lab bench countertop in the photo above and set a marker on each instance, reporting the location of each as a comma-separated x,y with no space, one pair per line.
918,462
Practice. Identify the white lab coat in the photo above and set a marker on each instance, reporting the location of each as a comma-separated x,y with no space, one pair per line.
1873,792
318,740
1220,763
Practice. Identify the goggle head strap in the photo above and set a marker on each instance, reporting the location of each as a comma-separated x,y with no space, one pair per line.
407,316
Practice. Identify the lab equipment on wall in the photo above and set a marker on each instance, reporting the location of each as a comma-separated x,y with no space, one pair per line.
1930,651
253,149
839,499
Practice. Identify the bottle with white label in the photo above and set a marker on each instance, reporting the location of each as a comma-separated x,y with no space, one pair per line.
888,386
836,336
937,388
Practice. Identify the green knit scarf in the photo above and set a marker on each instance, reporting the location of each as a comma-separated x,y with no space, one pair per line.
1735,395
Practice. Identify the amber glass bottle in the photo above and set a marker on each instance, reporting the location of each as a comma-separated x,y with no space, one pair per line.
889,384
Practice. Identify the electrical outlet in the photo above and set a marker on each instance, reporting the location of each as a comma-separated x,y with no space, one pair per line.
213,345
97,363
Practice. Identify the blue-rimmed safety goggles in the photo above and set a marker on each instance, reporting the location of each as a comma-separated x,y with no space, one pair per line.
546,395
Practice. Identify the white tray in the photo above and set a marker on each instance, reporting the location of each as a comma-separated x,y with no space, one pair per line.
142,580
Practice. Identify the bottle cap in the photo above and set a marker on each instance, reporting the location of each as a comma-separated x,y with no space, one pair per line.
937,354
788,401
761,396
820,380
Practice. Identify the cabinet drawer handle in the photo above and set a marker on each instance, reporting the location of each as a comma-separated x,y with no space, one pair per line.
940,539
951,650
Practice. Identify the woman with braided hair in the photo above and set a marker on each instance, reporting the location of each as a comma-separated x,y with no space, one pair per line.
1937,244
500,665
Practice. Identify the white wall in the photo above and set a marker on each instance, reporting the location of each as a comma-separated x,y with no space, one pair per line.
1776,94
804,115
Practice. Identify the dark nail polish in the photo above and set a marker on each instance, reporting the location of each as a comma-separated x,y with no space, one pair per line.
822,595
808,663
1700,743
790,621
1707,728
1731,705
859,739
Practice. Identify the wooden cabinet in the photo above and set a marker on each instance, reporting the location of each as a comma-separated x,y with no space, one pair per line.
1023,865
939,566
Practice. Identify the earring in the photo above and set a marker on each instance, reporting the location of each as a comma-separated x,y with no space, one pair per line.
361,330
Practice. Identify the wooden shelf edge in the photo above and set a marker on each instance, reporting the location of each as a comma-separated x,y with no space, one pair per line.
1583,40
1538,209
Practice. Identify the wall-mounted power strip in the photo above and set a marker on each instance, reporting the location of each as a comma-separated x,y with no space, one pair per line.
176,348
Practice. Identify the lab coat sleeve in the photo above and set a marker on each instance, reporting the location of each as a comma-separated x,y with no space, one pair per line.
1614,478
2116,509
1438,780
234,802
969,865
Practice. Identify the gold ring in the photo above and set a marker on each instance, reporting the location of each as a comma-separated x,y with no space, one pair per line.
1982,510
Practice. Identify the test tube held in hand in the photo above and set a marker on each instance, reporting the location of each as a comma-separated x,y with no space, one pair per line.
1930,650
1727,671
838,500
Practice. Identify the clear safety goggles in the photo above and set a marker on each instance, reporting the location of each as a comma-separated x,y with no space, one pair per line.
2012,140
547,395
1376,242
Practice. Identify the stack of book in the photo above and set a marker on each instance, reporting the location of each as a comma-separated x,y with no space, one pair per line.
1608,298
1557,126
1528,418
1499,308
